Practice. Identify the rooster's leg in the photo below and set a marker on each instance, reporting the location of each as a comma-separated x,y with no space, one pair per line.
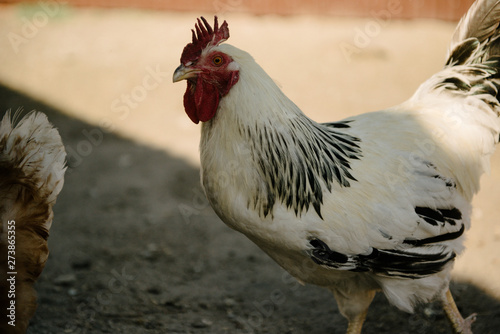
460,325
356,323
354,306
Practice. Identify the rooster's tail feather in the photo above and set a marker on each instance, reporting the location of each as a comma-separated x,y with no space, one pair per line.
473,59
481,26
463,98
472,64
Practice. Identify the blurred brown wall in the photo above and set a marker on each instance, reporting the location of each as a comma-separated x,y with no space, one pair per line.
406,9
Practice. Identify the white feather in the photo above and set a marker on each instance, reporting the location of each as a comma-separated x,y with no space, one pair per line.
34,146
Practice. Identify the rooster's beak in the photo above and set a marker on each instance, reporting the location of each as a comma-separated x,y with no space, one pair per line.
182,72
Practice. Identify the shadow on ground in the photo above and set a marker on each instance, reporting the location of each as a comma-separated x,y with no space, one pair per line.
136,249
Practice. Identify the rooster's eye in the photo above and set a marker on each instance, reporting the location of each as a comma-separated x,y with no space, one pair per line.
217,60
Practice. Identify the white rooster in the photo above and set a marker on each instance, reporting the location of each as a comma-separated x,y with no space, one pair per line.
32,175
376,202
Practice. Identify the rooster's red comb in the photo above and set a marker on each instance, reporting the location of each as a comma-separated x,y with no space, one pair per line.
203,37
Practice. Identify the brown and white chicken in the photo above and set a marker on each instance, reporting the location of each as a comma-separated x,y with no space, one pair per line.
32,166
375,202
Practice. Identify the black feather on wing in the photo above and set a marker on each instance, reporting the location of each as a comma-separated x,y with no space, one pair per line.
416,258
405,263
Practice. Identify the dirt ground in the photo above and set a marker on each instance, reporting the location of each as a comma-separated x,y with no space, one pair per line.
135,247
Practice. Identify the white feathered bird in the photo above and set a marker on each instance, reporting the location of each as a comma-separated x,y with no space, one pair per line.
376,202
32,166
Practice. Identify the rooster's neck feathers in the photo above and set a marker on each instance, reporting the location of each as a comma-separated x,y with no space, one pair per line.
299,161
295,158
